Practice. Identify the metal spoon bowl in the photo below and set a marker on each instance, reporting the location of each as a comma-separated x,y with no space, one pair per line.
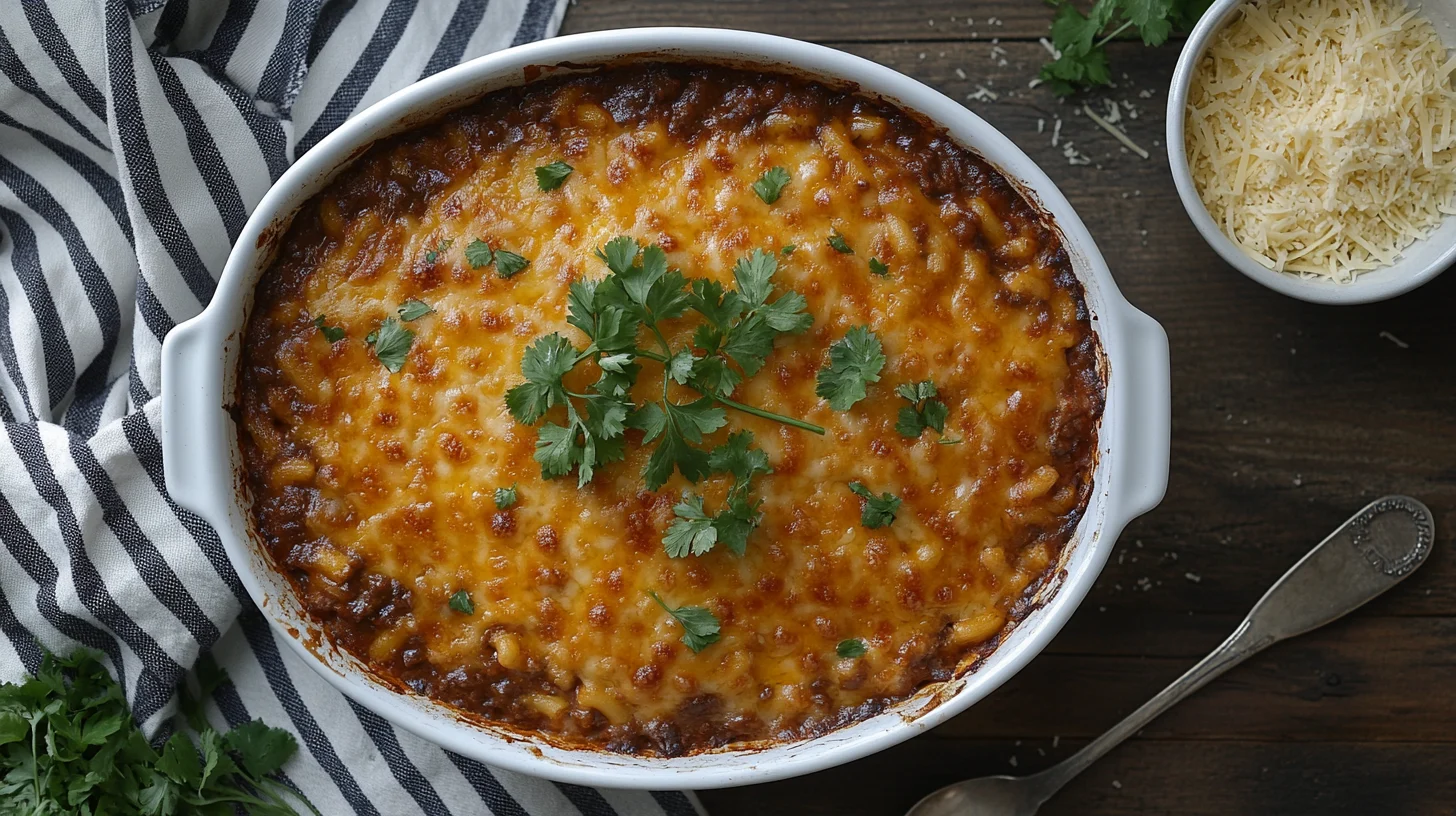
1372,552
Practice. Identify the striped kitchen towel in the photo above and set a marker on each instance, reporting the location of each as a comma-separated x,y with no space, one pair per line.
135,137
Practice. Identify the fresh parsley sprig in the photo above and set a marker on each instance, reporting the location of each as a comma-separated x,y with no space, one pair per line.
391,342
700,626
553,175
505,497
694,531
641,292
333,334
925,410
439,249
460,602
854,362
771,184
878,511
1079,39
68,744
507,264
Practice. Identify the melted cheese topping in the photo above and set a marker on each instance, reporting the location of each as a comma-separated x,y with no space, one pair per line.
1322,133
374,489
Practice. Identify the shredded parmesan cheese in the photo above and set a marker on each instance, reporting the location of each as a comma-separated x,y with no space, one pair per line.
1322,133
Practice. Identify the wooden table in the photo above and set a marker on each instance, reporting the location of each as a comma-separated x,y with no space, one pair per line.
1287,418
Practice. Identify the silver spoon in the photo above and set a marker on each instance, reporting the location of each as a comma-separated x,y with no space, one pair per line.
1367,555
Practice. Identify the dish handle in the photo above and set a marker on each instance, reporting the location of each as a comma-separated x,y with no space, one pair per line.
193,418
1144,414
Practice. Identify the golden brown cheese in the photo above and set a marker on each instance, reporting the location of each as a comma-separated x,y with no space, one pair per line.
373,489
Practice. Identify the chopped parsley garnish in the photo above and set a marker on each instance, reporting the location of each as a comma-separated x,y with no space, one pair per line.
700,627
478,254
507,264
788,249
878,267
879,511
551,176
414,309
924,411
850,648
694,531
333,334
854,362
838,244
460,602
68,744
505,497
771,184
391,342
434,254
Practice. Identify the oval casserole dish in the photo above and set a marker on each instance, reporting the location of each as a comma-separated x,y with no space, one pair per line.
204,464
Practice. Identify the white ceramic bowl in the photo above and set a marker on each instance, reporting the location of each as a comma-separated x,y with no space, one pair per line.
1420,263
203,465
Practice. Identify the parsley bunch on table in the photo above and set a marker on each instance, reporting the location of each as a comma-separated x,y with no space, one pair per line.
68,745
1080,39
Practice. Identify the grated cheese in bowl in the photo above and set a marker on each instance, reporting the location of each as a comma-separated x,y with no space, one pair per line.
1321,134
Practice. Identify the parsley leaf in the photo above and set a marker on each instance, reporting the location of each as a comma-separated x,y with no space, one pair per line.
771,184
788,249
854,362
838,244
924,411
700,627
263,750
878,511
851,648
434,254
551,176
505,497
692,532
878,267
478,254
545,362
460,602
507,264
333,334
391,343
414,309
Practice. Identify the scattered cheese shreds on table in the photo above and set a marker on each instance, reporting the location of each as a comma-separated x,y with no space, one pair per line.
1322,133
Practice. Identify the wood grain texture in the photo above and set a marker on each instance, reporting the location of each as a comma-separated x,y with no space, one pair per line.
824,20
1287,418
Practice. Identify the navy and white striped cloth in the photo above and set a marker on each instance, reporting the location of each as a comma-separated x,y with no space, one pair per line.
135,137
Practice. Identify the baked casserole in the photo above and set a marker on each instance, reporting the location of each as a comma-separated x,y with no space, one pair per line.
669,407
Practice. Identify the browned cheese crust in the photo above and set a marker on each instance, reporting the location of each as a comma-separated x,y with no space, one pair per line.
372,490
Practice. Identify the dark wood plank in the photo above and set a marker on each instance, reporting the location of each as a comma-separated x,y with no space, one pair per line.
1288,417
838,20
1140,778
1362,679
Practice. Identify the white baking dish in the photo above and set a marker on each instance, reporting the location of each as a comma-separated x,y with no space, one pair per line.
200,444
